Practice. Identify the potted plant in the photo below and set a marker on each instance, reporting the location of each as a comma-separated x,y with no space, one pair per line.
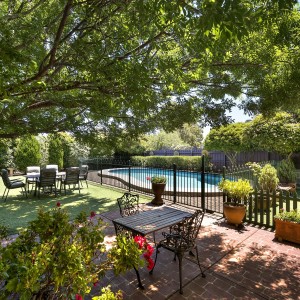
238,193
287,226
287,174
158,188
266,181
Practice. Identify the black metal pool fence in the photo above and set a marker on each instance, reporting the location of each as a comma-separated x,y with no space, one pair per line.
198,189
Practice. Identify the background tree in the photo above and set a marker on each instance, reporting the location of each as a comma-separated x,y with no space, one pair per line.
163,140
279,133
91,66
27,153
3,153
56,150
191,134
228,139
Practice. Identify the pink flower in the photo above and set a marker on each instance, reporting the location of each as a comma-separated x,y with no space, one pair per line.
93,214
58,204
78,297
148,178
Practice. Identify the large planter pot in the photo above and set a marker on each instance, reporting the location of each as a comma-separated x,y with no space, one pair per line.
158,189
234,213
289,231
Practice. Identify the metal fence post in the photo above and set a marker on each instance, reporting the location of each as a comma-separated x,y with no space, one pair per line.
203,182
174,183
129,176
101,167
224,177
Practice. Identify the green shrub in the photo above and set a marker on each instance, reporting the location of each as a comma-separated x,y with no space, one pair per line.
291,216
237,191
182,162
27,153
286,171
55,258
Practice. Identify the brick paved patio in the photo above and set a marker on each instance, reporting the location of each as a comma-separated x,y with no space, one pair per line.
244,263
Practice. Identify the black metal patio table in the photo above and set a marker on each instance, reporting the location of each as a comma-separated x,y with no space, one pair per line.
149,221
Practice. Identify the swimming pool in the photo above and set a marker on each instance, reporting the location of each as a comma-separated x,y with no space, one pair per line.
185,180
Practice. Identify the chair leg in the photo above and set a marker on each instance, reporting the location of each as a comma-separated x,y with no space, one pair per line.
156,252
3,193
6,194
180,273
140,285
202,273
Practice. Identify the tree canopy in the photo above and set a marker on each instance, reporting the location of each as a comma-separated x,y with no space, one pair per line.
228,139
125,67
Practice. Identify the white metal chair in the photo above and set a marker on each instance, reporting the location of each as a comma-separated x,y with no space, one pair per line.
32,180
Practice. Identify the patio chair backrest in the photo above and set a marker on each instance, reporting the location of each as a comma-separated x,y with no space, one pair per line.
5,178
52,167
72,175
84,170
47,177
33,169
128,204
188,229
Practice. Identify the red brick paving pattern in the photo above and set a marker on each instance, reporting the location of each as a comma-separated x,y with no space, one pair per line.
245,263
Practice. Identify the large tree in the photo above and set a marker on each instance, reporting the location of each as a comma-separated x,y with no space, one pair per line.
279,133
128,66
228,139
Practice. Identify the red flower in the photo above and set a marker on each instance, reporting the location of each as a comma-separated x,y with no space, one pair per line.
150,264
58,204
148,178
150,249
140,241
93,214
147,256
78,297
96,283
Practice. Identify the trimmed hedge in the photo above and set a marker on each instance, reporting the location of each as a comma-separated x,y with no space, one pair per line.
182,162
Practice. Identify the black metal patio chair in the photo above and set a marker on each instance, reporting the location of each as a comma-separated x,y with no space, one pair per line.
128,204
182,239
46,180
71,179
84,170
11,184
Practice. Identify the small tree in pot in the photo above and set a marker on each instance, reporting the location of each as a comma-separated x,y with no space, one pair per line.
238,193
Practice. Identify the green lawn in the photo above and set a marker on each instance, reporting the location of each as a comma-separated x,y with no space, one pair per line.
17,210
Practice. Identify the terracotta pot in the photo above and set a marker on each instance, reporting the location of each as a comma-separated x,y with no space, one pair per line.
289,231
234,213
158,189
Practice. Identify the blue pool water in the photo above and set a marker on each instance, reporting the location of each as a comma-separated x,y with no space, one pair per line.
184,180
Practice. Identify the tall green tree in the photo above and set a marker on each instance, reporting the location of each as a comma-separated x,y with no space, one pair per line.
128,67
28,153
56,151
228,139
279,133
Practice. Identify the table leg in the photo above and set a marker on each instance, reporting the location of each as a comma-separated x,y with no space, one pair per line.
138,278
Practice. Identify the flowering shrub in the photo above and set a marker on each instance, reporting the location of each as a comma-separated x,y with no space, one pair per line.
131,252
54,258
291,216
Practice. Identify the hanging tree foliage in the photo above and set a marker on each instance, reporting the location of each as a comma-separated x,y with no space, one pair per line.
128,66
